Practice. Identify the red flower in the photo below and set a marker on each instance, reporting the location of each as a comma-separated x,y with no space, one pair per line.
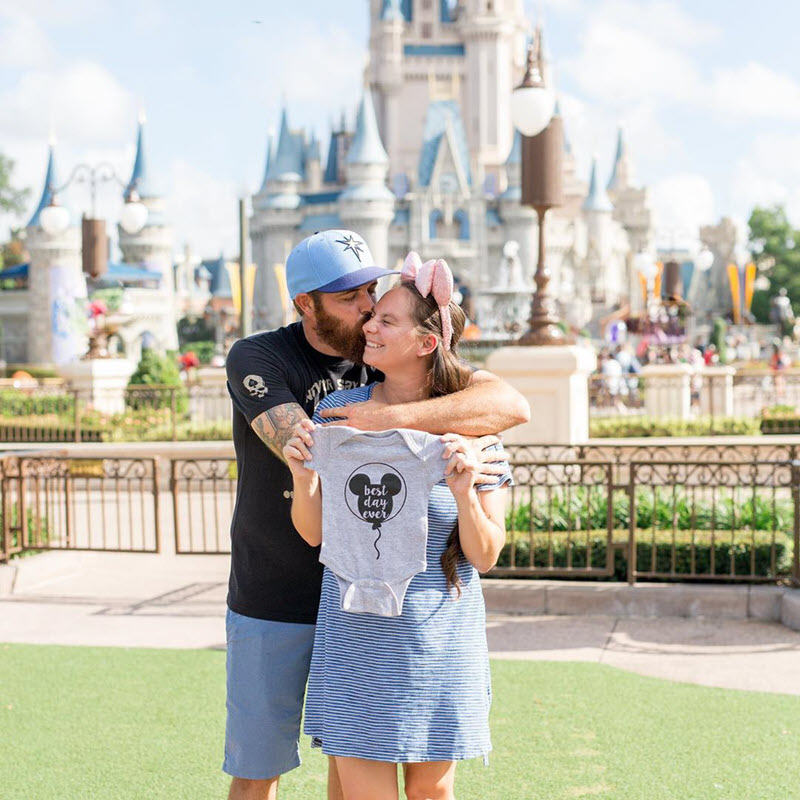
96,308
189,359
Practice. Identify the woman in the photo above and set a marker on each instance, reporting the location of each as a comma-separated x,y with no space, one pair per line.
414,688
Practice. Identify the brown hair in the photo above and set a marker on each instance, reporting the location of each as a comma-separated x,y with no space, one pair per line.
448,374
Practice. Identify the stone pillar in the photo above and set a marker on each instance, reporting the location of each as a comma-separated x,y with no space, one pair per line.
56,288
100,382
716,393
554,380
668,390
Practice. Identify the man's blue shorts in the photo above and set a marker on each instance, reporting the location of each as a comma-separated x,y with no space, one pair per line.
268,665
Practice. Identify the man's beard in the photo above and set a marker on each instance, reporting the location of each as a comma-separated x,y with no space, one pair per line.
347,342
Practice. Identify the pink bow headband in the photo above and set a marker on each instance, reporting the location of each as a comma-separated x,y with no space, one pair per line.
432,277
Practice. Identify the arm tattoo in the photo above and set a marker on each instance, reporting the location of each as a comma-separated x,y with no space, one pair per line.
276,426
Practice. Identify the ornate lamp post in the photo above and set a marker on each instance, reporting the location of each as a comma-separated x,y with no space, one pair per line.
542,143
55,218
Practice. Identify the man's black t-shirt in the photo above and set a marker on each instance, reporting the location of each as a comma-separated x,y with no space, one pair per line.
275,575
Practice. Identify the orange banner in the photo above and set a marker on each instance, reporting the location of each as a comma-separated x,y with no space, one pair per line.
643,281
749,285
736,296
657,280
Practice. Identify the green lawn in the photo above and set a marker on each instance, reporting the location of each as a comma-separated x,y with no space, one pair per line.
83,723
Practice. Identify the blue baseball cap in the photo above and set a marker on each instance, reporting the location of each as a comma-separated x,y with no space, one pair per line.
331,261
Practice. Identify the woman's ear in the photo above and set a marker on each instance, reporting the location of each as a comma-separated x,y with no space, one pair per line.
428,345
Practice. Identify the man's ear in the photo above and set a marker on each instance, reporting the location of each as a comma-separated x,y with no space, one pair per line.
428,345
305,303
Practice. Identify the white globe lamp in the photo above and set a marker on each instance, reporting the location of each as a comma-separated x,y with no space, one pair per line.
54,219
134,214
532,102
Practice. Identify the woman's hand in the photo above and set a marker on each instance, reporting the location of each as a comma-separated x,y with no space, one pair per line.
466,465
296,450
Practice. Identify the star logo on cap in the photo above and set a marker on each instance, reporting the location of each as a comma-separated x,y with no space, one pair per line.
353,244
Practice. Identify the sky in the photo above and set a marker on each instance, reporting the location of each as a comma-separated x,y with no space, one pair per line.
708,93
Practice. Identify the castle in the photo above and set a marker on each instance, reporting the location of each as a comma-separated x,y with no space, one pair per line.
433,165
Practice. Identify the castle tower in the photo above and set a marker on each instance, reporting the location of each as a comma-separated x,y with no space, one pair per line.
630,202
276,215
152,245
387,44
493,32
520,220
597,211
313,165
56,286
366,205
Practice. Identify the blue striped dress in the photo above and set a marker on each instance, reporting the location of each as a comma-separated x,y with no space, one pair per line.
409,688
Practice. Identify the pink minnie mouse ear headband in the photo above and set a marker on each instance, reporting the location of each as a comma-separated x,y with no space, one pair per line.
432,277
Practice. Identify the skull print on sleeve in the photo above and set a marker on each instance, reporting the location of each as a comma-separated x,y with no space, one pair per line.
257,379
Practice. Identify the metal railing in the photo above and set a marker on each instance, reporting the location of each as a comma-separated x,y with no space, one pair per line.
58,502
716,513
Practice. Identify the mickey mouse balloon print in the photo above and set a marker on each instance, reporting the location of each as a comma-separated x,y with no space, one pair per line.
375,493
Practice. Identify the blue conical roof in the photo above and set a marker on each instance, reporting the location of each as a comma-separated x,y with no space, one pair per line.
367,147
313,151
612,181
288,161
268,162
139,180
557,113
597,199
391,11
515,156
50,183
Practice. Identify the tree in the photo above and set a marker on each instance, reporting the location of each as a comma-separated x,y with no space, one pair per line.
775,245
12,201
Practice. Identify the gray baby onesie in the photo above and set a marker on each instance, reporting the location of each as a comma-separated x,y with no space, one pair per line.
375,489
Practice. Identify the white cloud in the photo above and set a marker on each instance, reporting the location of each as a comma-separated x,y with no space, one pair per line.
620,65
23,43
82,102
203,210
769,174
319,78
54,11
680,204
756,91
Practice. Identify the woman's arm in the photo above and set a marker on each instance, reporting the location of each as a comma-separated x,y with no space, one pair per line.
307,492
481,526
481,515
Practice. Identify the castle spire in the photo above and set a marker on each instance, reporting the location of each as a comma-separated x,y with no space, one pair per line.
597,199
367,147
50,183
138,181
269,159
288,162
620,176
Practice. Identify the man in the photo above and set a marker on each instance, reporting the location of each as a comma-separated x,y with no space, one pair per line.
276,379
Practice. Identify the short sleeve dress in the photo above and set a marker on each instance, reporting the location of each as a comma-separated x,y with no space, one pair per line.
410,688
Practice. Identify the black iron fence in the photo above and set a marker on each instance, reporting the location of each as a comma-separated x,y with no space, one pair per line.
716,513
54,501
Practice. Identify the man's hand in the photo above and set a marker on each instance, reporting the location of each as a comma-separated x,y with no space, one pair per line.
371,415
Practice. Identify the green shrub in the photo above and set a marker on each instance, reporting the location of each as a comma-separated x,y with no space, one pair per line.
112,297
637,427
581,508
740,548
157,371
718,335
203,350
15,404
194,329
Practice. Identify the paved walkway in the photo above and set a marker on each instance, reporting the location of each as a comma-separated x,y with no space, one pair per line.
123,600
